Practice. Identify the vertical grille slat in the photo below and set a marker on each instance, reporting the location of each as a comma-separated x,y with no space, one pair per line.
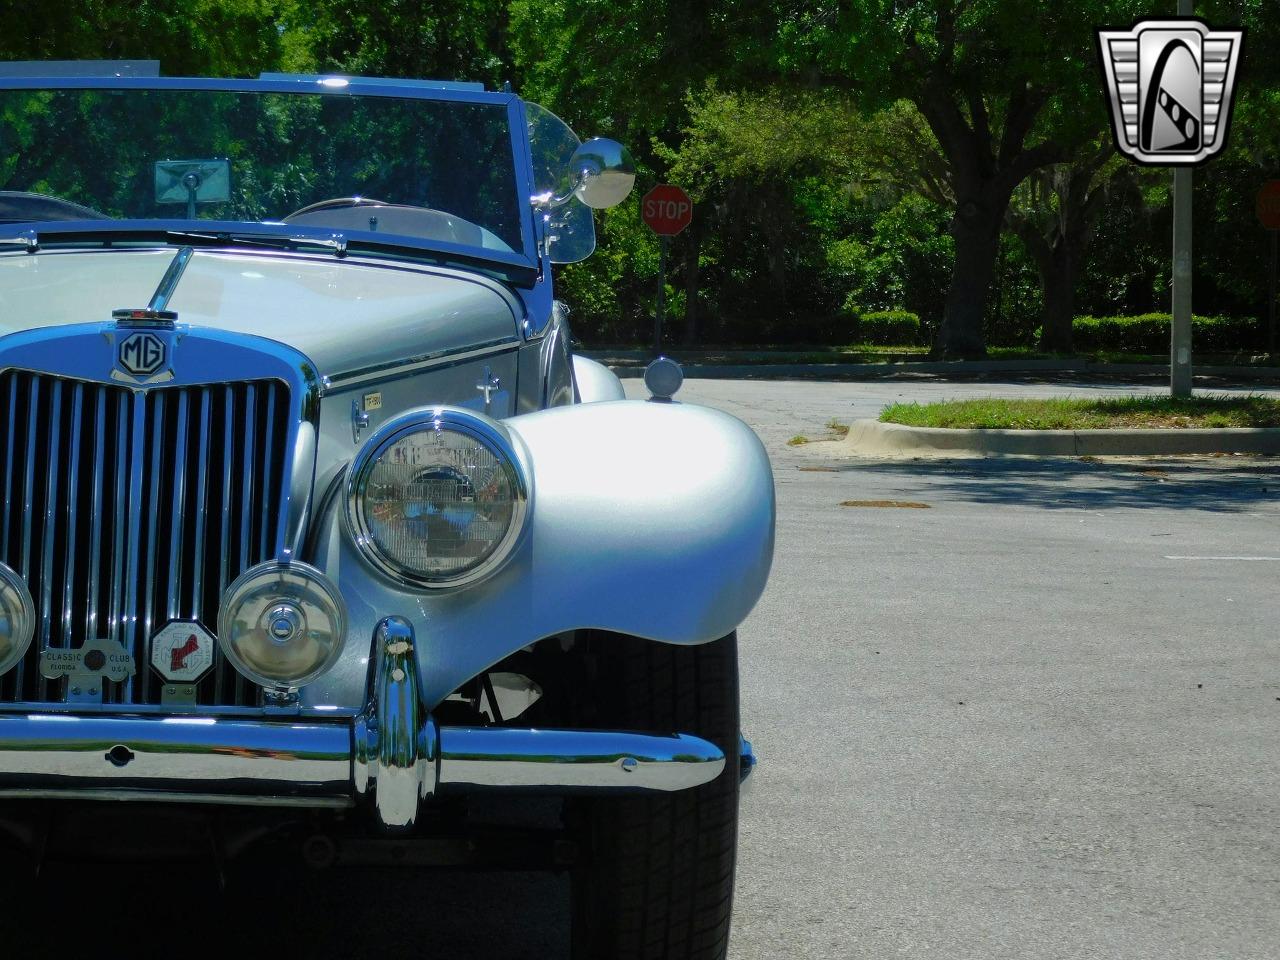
50,519
28,502
126,509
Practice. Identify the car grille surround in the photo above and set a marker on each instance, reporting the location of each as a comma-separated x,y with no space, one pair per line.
124,509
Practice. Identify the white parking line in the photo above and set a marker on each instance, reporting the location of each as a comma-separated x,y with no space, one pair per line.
1272,559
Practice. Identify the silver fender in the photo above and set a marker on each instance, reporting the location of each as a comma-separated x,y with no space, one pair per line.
650,519
596,382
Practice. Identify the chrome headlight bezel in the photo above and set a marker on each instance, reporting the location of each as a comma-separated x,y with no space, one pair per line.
480,429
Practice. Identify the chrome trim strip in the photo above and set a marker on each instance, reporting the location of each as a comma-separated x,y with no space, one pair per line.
50,518
68,573
405,368
169,282
138,419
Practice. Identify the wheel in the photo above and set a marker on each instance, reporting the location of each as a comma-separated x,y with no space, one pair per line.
655,880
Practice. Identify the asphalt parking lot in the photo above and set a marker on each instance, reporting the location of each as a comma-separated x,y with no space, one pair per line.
1034,716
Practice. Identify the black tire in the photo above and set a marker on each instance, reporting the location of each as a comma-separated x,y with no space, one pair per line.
656,875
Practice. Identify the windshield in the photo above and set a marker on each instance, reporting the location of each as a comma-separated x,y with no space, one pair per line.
432,171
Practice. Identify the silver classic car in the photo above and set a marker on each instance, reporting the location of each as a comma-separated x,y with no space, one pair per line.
309,511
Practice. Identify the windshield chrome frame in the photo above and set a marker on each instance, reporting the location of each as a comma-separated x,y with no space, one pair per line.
522,267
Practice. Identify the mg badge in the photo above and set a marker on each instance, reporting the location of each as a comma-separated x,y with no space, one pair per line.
182,651
142,355
1170,85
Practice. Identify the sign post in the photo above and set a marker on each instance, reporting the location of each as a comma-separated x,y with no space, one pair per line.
1180,338
666,210
1269,216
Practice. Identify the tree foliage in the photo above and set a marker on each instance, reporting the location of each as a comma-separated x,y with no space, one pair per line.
937,156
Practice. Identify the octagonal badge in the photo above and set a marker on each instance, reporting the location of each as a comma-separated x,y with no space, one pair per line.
182,651
142,354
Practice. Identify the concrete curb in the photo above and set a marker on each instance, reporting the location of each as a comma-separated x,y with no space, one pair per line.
871,438
952,368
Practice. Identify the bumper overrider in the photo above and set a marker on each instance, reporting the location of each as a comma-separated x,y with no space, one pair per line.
392,757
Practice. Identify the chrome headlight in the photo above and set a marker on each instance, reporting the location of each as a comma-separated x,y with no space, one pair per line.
282,625
17,618
437,498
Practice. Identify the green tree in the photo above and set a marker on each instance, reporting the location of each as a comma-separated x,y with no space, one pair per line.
188,37
1054,213
441,40
988,76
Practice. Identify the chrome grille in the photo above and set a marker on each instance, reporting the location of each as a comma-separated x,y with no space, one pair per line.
124,510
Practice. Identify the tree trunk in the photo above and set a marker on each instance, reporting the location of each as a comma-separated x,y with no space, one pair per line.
692,252
1058,281
977,232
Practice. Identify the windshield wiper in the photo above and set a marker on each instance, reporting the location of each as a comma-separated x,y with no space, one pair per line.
27,238
336,242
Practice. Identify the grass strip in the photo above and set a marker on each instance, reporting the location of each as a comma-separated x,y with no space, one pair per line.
1132,413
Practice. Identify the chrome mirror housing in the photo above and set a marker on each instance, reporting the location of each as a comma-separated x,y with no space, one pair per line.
602,173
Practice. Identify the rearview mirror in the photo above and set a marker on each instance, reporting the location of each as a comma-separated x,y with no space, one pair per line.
602,173
192,182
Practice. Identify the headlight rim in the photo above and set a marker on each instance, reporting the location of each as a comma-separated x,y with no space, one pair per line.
482,429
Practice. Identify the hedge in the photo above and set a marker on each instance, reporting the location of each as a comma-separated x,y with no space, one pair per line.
885,327
889,327
1149,333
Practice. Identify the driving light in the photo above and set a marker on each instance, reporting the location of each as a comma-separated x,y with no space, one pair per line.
17,618
437,498
282,625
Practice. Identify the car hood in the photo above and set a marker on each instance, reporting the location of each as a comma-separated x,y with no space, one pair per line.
345,315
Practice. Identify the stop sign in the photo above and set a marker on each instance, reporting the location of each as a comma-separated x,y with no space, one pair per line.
666,209
1269,205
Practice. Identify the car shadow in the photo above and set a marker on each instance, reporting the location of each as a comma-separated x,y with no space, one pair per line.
1215,485
164,912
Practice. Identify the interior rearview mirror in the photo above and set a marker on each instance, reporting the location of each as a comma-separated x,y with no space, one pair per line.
192,182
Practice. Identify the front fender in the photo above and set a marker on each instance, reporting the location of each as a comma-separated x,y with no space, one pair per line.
595,382
650,519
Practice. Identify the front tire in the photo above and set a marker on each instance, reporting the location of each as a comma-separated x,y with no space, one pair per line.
656,879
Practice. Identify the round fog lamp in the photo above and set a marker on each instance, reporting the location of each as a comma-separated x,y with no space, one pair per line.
282,625
664,377
17,618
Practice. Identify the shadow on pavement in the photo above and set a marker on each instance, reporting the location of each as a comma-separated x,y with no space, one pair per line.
1215,485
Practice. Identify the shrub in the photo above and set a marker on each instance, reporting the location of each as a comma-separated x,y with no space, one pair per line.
1149,333
888,327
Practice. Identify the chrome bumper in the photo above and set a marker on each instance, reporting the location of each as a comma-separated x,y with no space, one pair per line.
392,754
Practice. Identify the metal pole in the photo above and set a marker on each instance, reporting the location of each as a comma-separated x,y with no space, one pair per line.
1180,338
662,296
1271,302
1180,341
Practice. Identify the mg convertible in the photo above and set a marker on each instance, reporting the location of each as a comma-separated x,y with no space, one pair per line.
315,531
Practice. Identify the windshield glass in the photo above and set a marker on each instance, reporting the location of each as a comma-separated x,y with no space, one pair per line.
428,170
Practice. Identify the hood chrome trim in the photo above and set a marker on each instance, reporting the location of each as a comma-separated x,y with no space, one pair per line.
406,368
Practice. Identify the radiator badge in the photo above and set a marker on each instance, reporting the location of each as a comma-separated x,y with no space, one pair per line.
142,354
182,651
143,340
95,661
